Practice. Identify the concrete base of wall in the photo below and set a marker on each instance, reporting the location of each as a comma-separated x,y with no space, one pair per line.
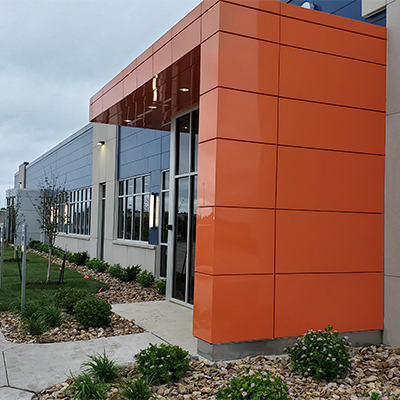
237,350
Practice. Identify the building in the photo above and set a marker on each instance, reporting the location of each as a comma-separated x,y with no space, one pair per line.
243,157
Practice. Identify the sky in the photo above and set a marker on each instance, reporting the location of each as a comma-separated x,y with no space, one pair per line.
55,55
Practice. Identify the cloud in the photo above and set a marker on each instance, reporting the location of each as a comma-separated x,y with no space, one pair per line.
56,54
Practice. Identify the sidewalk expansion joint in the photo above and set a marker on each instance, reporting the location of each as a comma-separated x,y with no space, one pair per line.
5,368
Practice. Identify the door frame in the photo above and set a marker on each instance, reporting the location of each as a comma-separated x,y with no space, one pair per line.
172,209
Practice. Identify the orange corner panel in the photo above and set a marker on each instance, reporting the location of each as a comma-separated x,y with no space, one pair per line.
203,307
323,79
329,180
327,39
209,64
241,307
348,302
249,22
235,241
207,153
210,22
232,114
248,64
308,241
186,40
307,124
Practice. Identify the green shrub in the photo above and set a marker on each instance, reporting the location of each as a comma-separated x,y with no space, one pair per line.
33,244
166,363
254,384
146,279
31,309
93,312
131,273
137,389
80,258
68,297
58,252
115,271
35,325
85,388
321,354
103,369
161,286
52,315
97,265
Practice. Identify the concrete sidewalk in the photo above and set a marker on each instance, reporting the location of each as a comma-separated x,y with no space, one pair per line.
26,369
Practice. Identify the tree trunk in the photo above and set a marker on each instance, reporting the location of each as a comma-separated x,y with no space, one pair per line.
49,266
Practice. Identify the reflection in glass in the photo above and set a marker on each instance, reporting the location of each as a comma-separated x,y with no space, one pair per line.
138,185
165,216
121,218
183,138
146,209
195,131
165,180
193,240
129,213
136,223
182,209
163,261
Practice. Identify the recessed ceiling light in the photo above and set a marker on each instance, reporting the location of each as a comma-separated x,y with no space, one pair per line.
184,89
128,120
152,107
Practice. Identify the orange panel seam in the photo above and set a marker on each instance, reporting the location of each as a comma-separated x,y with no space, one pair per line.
331,211
329,273
252,8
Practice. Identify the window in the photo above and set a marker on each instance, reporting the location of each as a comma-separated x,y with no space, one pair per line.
133,208
77,212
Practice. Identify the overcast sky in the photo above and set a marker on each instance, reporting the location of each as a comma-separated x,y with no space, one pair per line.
55,55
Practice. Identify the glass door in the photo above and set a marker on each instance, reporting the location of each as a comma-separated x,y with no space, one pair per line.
184,182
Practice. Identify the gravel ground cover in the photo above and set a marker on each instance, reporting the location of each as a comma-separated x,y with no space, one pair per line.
119,292
375,369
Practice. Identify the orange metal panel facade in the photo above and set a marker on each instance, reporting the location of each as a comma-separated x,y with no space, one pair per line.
291,164
291,173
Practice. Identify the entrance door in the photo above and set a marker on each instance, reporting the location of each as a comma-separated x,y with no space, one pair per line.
184,187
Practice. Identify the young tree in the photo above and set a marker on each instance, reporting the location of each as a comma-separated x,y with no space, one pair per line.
50,208
15,219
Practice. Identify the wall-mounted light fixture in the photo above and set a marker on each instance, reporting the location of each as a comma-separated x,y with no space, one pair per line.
100,143
154,210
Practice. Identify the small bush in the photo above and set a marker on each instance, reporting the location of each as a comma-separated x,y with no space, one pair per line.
33,244
254,384
68,297
321,354
97,265
103,369
80,258
58,252
31,309
52,315
138,389
85,388
115,271
93,312
35,325
146,279
161,286
162,364
131,273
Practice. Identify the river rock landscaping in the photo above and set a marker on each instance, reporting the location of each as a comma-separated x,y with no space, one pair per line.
374,369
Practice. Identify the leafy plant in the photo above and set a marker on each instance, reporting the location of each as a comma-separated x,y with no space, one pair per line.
80,258
52,315
97,265
85,388
320,354
130,273
68,297
254,384
146,279
92,312
166,363
103,369
35,325
138,389
376,396
161,286
115,271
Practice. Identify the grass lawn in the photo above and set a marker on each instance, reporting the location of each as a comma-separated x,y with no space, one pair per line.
36,270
